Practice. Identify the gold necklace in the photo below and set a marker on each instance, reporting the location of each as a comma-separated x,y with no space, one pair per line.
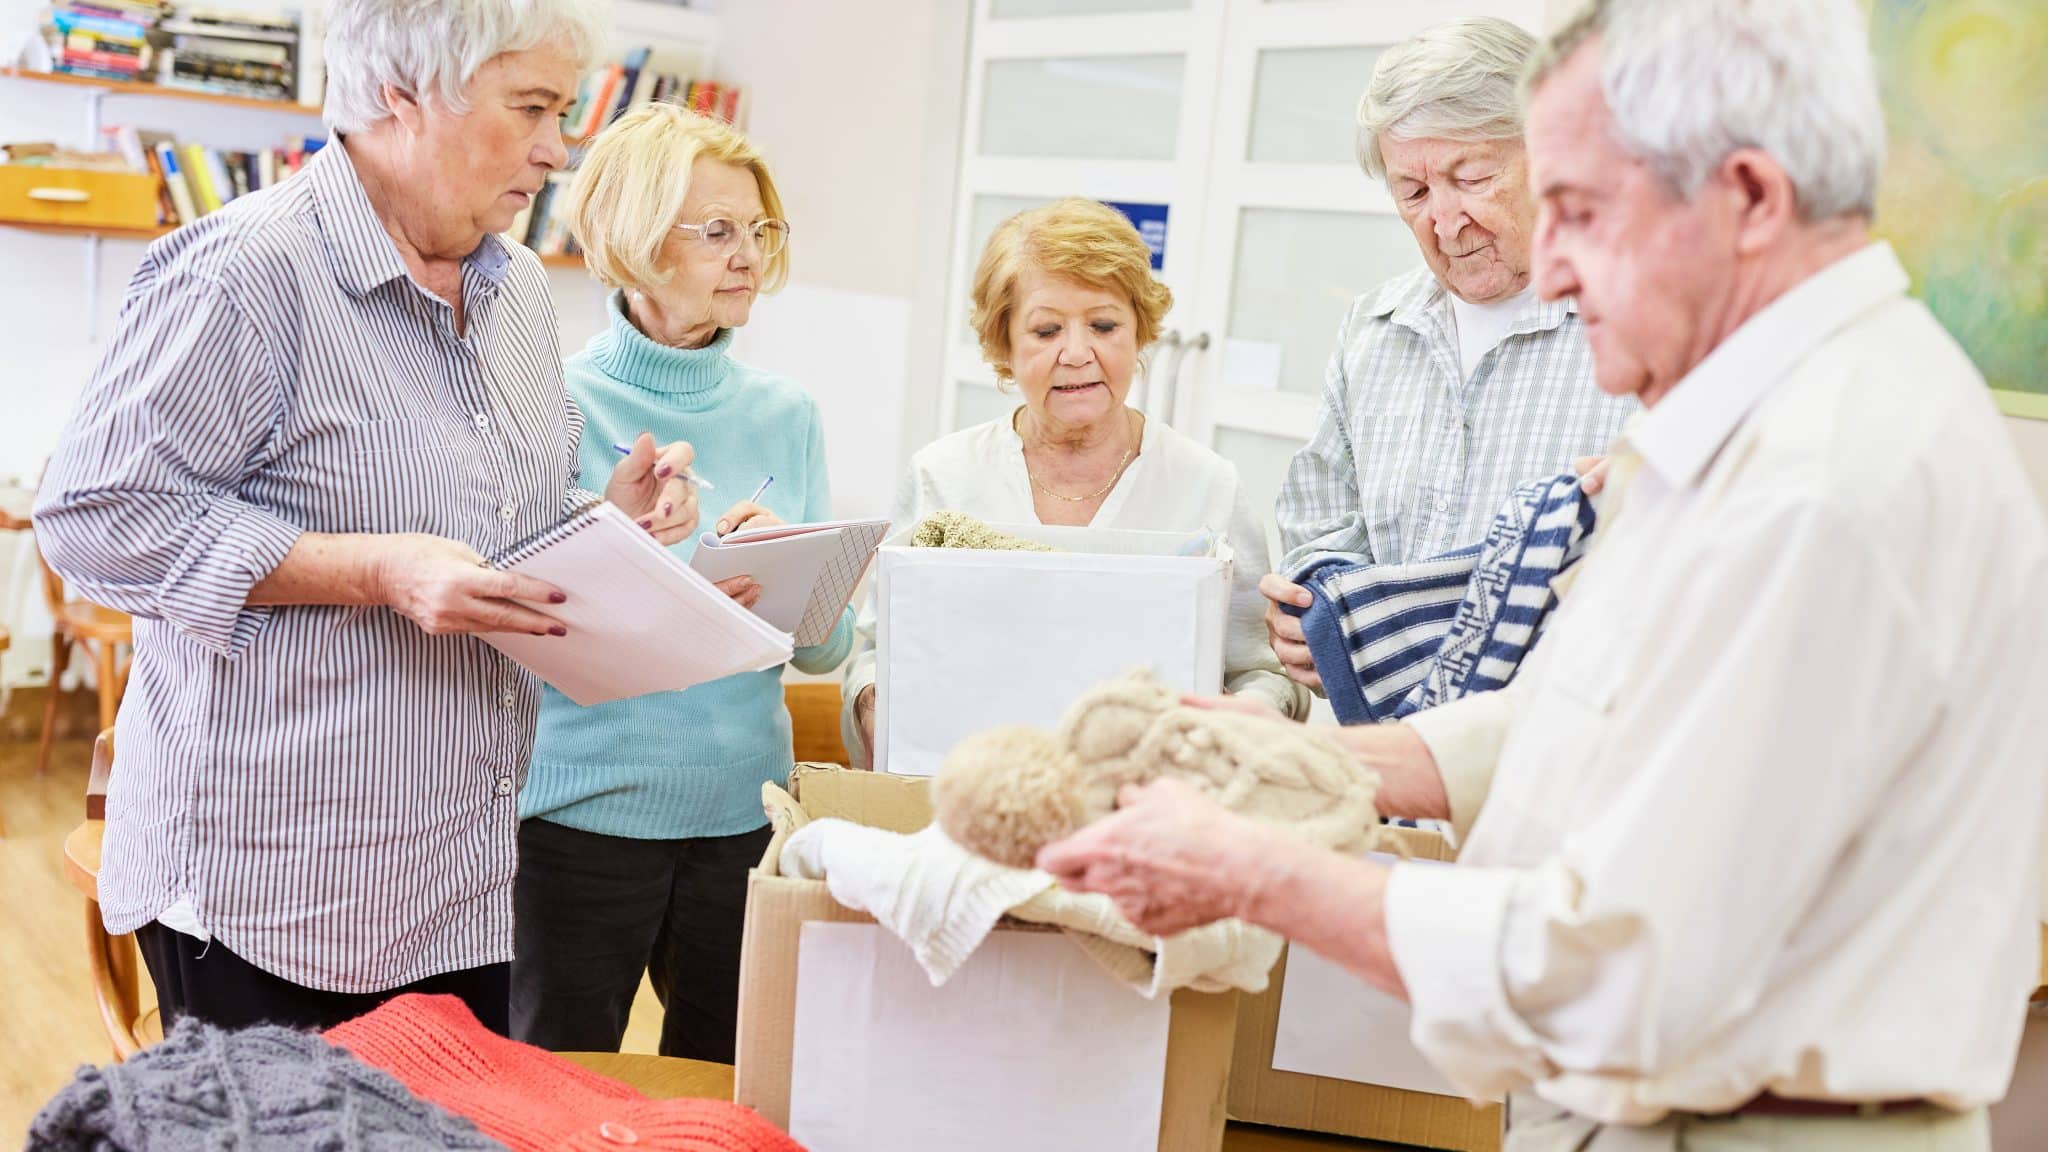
1099,492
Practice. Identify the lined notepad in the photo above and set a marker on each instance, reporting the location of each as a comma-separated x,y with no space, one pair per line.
807,572
639,620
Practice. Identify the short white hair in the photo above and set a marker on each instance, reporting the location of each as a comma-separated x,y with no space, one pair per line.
1455,81
1689,81
435,47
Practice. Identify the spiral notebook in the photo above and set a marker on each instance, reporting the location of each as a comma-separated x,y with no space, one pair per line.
639,620
807,572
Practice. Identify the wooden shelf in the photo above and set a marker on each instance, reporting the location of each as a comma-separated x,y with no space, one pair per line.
143,88
143,235
563,260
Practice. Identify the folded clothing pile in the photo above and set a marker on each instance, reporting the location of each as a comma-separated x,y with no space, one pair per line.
417,1073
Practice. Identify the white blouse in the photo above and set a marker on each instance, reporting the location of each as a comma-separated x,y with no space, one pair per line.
1173,485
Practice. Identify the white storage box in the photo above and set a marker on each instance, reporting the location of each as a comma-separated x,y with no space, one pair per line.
968,640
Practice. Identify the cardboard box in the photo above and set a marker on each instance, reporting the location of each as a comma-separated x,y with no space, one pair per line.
1260,1094
968,640
1199,1029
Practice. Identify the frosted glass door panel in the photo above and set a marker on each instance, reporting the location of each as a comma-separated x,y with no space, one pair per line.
1031,9
1297,273
989,211
1305,105
1092,107
1262,462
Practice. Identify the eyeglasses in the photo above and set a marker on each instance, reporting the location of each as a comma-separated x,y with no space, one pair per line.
723,236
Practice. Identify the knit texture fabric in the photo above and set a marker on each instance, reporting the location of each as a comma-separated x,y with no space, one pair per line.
534,1100
959,530
260,1088
1392,639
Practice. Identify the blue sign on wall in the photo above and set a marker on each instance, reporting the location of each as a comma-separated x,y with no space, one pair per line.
1150,221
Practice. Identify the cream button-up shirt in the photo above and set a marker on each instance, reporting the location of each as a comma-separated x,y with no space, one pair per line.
1768,799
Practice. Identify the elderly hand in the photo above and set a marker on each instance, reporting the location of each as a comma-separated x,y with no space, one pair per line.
1284,632
649,486
745,515
1592,472
1171,858
742,589
446,588
864,716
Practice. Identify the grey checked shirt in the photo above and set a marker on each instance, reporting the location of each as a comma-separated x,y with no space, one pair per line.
332,789
1411,460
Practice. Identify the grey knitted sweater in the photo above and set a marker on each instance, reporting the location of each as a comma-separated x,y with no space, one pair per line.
258,1089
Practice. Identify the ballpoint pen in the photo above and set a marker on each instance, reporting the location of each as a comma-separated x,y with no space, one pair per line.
762,490
692,477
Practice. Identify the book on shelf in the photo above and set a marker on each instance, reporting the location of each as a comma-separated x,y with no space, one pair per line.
614,89
255,55
196,180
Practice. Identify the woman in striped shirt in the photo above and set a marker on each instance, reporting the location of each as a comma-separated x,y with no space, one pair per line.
325,404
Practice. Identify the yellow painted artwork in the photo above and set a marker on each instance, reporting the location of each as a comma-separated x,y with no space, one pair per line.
1965,193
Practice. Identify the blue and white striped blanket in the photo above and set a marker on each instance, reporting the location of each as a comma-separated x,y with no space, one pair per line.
1393,639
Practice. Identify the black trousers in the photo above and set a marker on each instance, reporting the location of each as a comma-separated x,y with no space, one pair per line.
592,912
208,982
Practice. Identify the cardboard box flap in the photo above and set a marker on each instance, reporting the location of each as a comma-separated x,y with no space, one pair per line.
1200,1035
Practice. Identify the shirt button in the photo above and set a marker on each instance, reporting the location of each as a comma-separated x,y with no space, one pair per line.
616,1133
482,421
504,785
508,512
507,699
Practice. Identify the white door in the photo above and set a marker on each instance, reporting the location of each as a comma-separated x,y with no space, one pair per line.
1110,99
1293,230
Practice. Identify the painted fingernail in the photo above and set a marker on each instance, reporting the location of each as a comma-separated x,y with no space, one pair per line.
558,630
557,598
665,471
647,523
668,508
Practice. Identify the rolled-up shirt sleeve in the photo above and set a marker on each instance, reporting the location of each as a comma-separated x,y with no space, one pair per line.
143,505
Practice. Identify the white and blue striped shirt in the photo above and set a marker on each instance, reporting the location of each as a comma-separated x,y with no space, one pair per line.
1410,458
331,788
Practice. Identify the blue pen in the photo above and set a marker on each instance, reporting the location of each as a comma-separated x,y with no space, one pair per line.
692,477
762,490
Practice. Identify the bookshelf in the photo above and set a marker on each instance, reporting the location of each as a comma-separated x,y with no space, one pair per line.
141,234
157,91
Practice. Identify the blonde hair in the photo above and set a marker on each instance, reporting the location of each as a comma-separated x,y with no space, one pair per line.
1085,241
631,187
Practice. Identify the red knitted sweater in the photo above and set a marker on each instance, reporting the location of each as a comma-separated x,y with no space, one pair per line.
531,1099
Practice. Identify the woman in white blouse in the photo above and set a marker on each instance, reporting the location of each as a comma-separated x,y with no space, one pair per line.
1064,303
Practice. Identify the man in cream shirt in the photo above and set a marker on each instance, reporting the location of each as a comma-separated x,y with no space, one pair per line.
1753,852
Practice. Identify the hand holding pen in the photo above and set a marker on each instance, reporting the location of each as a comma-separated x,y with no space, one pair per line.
748,513
654,486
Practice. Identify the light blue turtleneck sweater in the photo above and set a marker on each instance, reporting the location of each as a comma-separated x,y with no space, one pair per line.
676,765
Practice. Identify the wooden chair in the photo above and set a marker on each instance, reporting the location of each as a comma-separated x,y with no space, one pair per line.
107,634
814,723
113,959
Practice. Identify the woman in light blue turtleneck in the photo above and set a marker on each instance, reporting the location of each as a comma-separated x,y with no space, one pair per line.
640,818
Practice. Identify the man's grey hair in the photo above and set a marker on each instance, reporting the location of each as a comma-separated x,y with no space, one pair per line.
1455,81
435,47
1689,81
